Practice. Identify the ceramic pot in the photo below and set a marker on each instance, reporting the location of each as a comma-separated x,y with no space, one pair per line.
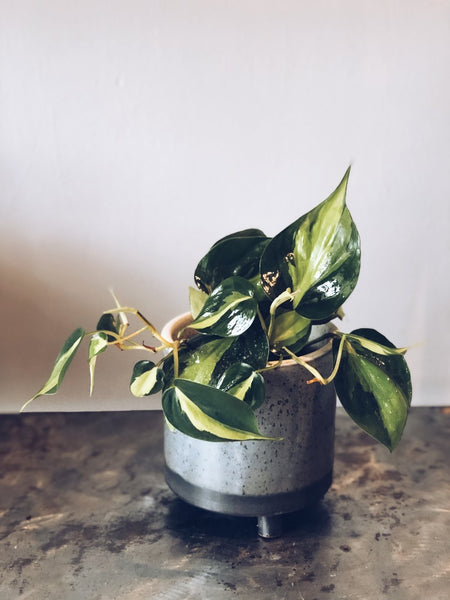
263,479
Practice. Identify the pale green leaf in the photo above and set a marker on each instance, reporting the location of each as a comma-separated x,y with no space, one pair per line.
197,300
289,328
97,345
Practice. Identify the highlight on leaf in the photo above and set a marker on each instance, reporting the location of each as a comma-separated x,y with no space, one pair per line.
229,310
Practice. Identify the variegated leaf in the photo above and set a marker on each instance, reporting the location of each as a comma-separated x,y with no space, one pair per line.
291,330
243,382
61,365
146,379
208,413
375,389
317,257
229,310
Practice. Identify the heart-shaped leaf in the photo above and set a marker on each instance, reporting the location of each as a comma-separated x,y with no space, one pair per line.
208,413
229,310
251,347
146,379
377,348
317,257
374,388
235,254
242,381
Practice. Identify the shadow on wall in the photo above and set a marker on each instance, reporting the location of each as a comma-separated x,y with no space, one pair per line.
37,316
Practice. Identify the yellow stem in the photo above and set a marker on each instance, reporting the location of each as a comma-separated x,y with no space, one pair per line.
271,367
149,326
176,362
317,376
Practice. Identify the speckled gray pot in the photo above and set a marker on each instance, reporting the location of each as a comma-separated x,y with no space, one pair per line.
263,478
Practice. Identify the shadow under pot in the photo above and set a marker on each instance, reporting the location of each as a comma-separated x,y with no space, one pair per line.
263,479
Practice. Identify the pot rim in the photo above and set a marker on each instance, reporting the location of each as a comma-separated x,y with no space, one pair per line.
183,320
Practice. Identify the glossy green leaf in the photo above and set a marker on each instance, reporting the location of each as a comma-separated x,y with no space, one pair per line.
251,347
290,330
243,382
235,254
394,363
199,358
97,345
177,419
317,257
375,389
146,379
229,310
209,413
107,322
204,358
61,365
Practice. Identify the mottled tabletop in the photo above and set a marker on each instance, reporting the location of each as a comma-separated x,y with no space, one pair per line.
85,514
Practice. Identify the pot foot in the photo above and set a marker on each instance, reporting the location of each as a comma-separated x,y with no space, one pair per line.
270,527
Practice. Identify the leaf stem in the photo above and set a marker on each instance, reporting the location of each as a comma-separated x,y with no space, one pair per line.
119,339
176,361
317,376
273,366
149,326
261,320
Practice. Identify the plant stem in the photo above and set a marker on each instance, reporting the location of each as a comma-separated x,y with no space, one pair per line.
176,362
271,367
119,339
317,376
149,326
261,320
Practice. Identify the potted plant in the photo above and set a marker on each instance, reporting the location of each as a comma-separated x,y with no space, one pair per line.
252,363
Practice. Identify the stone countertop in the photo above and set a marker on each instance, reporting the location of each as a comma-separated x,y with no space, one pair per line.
85,514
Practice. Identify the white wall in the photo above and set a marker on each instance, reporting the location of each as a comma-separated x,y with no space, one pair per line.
134,134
